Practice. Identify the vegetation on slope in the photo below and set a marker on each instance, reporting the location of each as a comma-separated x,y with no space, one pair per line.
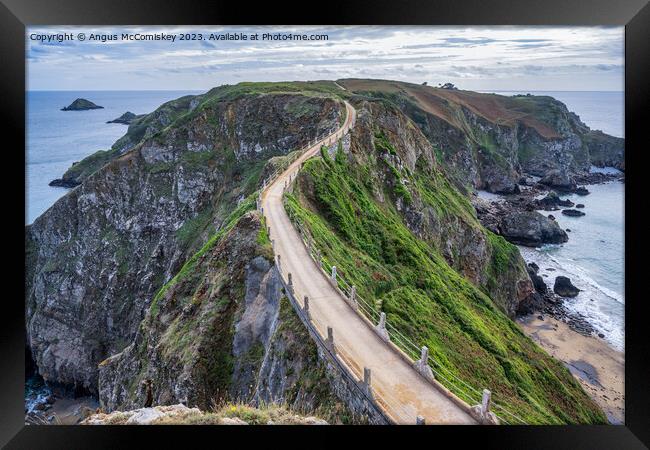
175,113
187,337
429,302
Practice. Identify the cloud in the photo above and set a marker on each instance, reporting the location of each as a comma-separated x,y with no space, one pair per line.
471,57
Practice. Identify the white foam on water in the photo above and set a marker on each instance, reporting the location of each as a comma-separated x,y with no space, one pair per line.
605,170
600,306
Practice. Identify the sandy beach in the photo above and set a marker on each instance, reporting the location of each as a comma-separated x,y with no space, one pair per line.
599,368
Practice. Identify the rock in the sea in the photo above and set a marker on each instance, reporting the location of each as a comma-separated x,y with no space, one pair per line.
558,179
566,203
564,288
572,212
550,202
61,182
125,118
581,190
551,216
532,229
580,205
81,104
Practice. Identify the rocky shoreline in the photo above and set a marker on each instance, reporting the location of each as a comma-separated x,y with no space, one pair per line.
51,405
516,218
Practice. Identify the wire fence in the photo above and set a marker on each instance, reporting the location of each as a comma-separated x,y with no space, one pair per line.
370,311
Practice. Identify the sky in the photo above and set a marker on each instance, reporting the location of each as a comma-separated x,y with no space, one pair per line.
473,58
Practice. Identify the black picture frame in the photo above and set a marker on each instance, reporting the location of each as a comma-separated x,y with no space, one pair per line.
15,15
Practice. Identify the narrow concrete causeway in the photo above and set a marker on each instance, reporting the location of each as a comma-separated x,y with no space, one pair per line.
398,388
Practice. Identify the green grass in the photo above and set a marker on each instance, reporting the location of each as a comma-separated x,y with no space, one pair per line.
90,164
195,160
190,265
429,302
192,228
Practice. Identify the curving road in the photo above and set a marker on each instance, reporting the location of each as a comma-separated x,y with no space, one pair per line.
401,391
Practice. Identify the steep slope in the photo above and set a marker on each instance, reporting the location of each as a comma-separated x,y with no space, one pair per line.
249,126
97,257
156,266
488,141
221,330
382,211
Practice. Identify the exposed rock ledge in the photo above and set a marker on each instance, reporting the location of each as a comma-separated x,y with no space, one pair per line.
182,415
125,118
62,182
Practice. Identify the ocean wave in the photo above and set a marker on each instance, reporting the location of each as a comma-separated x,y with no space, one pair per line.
579,274
603,308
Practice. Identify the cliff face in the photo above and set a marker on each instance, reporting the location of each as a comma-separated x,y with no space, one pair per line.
153,282
97,257
488,141
400,168
381,209
221,330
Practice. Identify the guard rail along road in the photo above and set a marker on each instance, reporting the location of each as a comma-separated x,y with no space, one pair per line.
399,377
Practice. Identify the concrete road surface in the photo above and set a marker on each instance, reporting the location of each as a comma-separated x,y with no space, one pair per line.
398,387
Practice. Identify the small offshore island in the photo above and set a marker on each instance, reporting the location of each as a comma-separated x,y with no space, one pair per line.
81,104
164,290
125,118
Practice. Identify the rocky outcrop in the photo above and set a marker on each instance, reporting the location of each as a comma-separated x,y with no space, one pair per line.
489,141
98,256
152,283
605,150
564,288
572,212
60,182
182,415
125,118
532,229
241,121
558,179
220,331
538,281
81,104
404,174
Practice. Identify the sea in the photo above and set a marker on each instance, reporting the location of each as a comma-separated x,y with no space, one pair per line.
593,258
56,139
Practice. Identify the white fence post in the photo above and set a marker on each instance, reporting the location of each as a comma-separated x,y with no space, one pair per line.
290,282
333,273
353,297
330,339
486,401
422,364
367,381
381,327
482,411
